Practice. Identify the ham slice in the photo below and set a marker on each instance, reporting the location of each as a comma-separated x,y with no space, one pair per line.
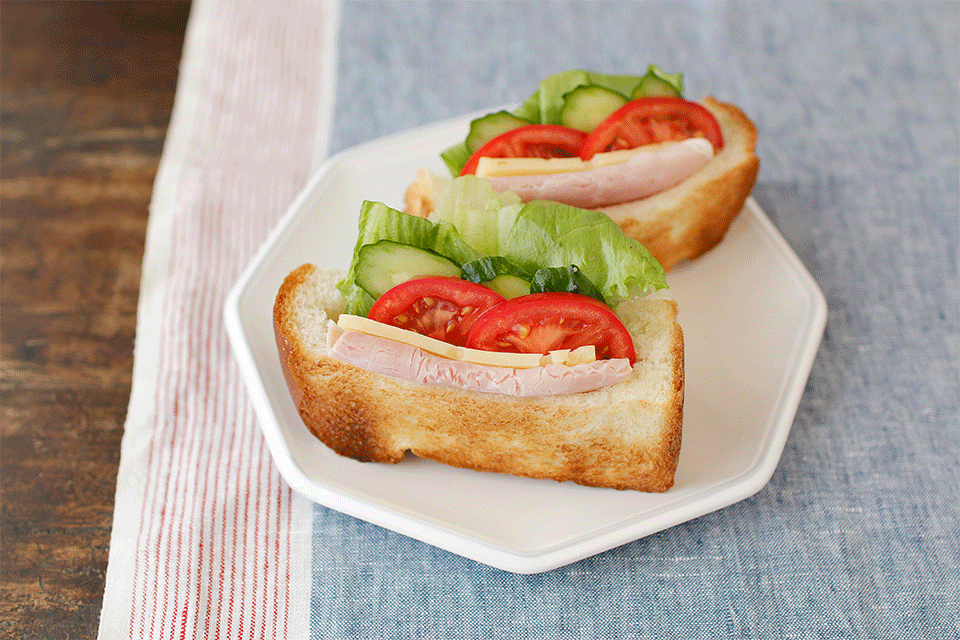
647,172
400,360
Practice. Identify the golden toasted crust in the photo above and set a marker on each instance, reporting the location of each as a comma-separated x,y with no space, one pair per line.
682,222
626,436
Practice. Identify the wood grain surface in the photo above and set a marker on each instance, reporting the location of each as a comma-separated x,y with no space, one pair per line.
87,90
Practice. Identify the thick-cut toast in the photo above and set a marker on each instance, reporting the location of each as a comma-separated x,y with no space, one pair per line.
682,222
626,436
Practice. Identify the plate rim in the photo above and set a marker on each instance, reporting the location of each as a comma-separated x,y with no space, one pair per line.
705,500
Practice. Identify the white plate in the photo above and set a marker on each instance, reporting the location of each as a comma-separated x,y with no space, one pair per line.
751,314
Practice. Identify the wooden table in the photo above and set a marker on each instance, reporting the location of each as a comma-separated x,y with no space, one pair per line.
87,90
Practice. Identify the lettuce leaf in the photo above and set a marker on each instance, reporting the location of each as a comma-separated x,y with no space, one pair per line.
380,222
481,215
548,234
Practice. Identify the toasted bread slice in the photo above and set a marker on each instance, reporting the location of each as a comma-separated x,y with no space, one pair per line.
626,436
679,223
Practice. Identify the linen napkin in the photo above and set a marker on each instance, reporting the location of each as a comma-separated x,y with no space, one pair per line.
207,539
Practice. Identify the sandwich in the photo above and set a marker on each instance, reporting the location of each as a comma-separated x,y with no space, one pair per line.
534,339
673,173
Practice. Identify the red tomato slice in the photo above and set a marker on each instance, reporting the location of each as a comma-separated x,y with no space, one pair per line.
542,322
529,141
440,307
651,120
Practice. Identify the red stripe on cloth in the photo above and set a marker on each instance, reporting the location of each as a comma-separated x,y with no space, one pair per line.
212,555
288,522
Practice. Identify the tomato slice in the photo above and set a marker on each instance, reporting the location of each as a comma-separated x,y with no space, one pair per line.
529,141
542,322
651,120
440,307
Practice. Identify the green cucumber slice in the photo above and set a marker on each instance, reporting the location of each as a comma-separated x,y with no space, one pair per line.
509,287
488,127
499,274
587,106
383,265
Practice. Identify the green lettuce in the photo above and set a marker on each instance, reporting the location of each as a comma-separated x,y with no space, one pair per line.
380,222
483,216
548,234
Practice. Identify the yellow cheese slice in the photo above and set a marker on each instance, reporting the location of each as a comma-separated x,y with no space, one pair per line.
580,355
504,167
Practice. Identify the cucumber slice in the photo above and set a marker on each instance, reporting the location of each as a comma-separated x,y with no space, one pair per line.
658,83
485,129
509,287
499,274
383,265
588,105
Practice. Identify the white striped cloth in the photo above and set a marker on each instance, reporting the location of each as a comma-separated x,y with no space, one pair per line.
208,541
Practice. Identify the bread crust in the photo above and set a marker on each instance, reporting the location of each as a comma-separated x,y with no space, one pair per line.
626,436
679,223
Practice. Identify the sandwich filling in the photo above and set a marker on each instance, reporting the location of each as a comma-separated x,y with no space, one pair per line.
492,295
396,359
644,172
591,140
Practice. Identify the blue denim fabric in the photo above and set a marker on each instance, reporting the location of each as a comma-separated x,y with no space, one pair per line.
856,535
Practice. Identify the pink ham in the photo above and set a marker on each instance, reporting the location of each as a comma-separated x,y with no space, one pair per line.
400,360
648,172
